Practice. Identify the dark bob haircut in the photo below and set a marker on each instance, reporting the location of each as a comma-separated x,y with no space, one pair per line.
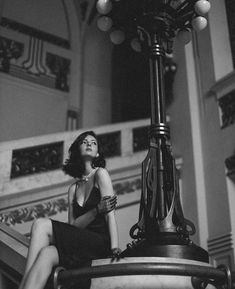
74,165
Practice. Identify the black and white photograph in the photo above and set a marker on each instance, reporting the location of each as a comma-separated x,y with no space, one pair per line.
117,144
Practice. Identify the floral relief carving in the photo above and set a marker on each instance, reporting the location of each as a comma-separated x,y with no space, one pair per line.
36,159
55,206
9,49
35,67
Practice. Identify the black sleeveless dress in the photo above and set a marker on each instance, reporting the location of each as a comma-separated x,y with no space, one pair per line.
77,247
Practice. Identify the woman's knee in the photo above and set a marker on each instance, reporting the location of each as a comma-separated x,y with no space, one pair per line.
42,226
49,256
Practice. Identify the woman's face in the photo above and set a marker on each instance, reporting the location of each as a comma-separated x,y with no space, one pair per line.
89,147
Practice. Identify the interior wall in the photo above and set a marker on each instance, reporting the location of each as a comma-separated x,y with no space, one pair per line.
97,78
35,107
39,14
27,110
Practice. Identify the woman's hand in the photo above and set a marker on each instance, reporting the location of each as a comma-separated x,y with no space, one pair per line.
115,254
106,204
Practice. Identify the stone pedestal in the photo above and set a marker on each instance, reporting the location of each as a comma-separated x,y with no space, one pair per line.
146,281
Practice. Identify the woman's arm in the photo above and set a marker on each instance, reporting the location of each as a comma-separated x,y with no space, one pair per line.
106,189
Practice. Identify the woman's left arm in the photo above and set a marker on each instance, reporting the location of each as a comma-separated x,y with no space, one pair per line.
106,189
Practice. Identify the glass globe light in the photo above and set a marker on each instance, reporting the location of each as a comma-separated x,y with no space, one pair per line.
202,7
135,44
117,36
199,23
104,23
184,36
104,6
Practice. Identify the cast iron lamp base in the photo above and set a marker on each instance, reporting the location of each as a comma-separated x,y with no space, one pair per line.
171,247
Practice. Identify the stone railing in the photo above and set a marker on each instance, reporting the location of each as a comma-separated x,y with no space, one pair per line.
33,184
34,163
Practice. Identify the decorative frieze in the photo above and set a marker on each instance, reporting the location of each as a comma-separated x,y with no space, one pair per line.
227,108
110,144
127,186
36,159
28,214
52,207
48,157
35,63
9,50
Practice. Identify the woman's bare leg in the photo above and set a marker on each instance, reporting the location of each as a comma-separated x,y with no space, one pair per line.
41,269
41,237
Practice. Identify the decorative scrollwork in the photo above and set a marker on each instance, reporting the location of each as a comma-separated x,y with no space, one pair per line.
227,106
9,49
28,214
34,68
36,159
52,207
127,187
110,143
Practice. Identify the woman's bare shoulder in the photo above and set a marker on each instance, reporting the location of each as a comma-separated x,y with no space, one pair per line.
102,173
72,189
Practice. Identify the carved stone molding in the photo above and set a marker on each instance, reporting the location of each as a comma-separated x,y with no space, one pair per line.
9,50
28,214
54,206
110,143
36,159
48,157
35,63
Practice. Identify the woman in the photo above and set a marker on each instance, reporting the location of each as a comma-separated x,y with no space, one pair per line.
92,230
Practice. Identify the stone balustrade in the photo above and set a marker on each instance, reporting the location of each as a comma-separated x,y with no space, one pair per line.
33,185
35,163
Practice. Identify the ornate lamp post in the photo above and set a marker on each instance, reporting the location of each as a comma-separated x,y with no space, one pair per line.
151,26
162,231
